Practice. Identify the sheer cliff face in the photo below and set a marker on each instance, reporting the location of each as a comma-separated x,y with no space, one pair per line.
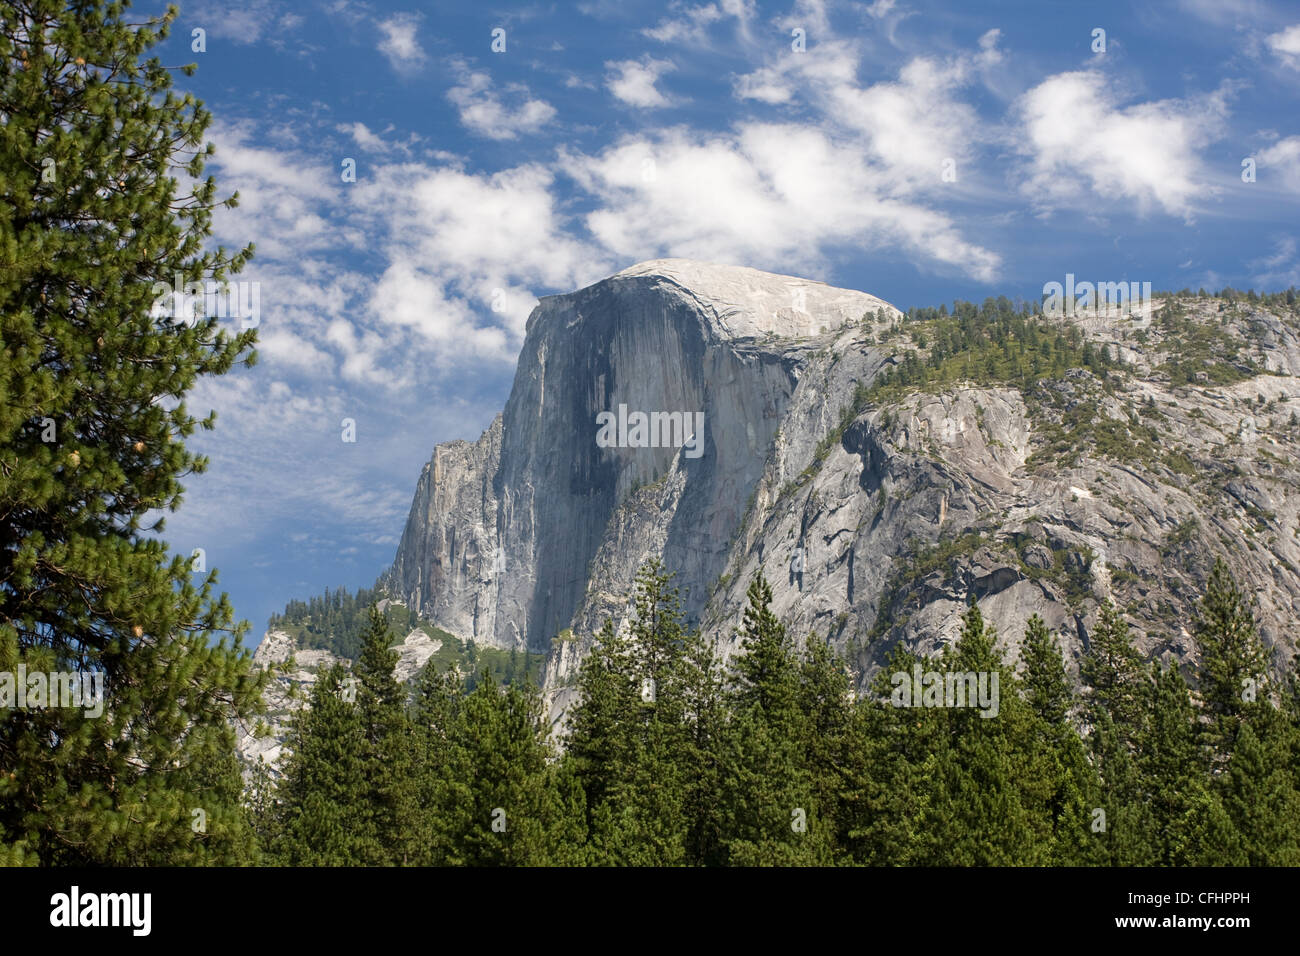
502,535
873,534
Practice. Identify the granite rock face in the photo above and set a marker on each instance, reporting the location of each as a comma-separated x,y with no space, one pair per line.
284,695
872,533
504,534
294,670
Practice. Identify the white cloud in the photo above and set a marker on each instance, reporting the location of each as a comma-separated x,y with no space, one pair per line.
363,137
810,16
285,347
989,54
482,111
1286,44
1084,149
277,455
482,225
364,353
398,41
409,296
769,195
633,81
798,190
689,25
1283,157
244,22
909,126
412,266
282,196
766,84
466,253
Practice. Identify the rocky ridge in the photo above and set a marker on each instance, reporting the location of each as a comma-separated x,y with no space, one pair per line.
294,670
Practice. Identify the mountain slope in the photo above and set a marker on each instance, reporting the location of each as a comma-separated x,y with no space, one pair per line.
880,471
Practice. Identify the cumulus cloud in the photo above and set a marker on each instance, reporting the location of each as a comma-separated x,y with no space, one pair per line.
349,329
414,265
773,195
1283,158
483,112
282,196
767,85
856,176
1286,44
911,125
407,295
398,41
363,137
466,250
633,81
288,348
1084,148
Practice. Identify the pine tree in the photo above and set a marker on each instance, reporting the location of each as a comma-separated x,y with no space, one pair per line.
643,736
442,765
766,677
1046,686
1112,668
567,829
706,714
987,821
602,738
894,808
1117,708
653,805
260,803
771,814
825,703
322,800
93,147
1234,667
1058,780
390,808
1290,714
1190,825
1122,822
1260,795
221,828
513,808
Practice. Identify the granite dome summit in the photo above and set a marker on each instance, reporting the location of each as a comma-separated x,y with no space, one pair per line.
747,302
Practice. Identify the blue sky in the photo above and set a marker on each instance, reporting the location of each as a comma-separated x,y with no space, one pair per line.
609,132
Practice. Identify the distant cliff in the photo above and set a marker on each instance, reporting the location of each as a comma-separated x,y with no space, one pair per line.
878,481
